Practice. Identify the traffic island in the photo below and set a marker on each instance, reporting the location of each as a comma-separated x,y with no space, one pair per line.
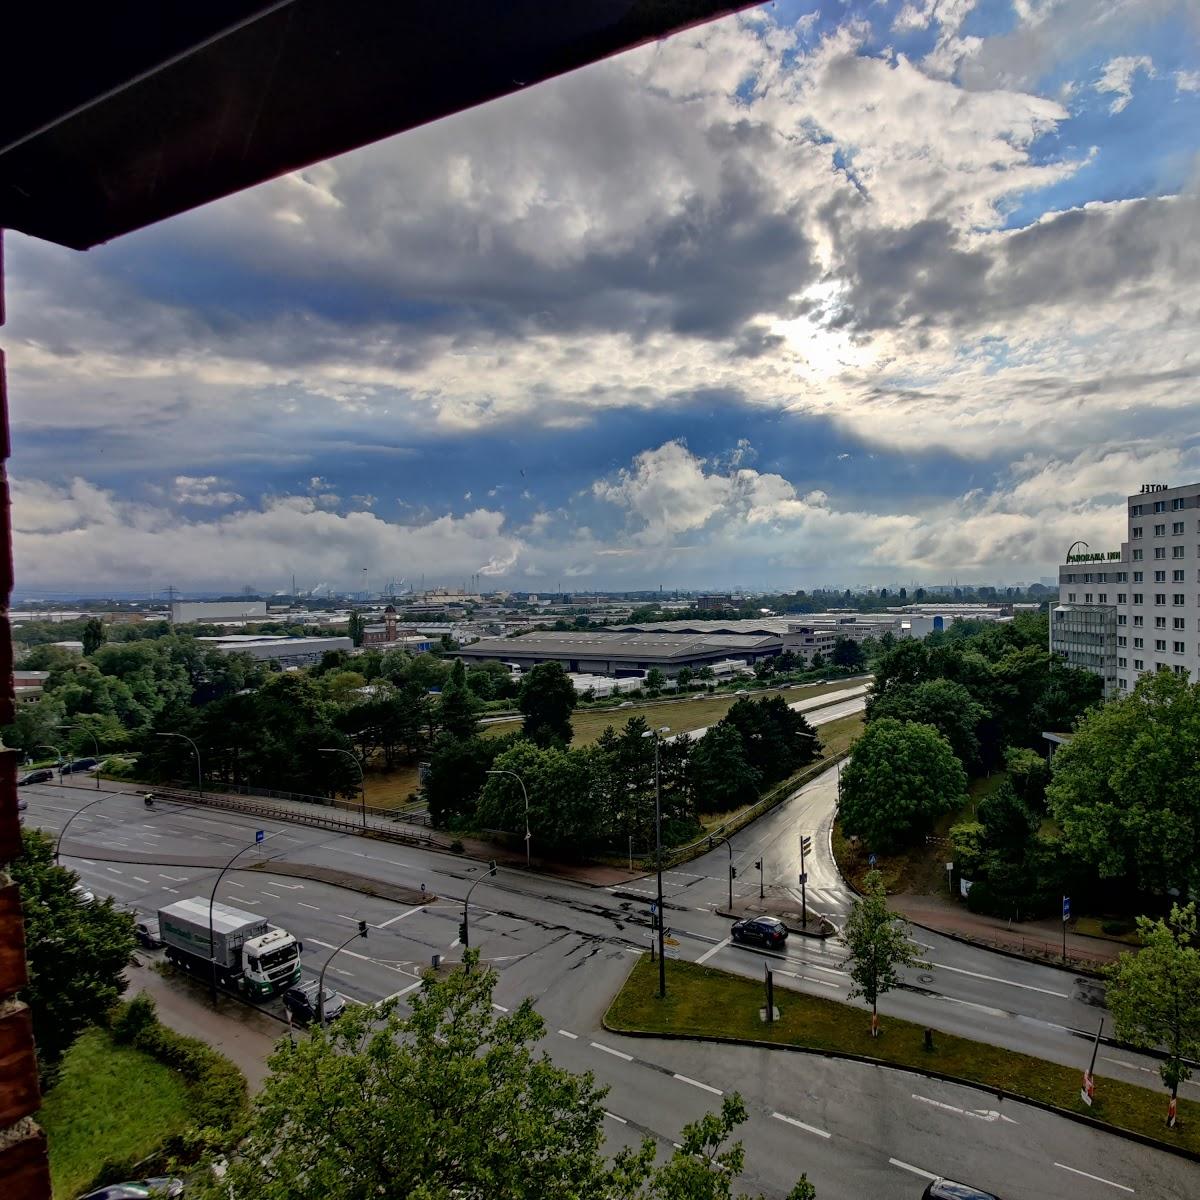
786,908
705,1004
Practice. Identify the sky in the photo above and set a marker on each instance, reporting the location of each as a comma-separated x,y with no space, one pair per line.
854,293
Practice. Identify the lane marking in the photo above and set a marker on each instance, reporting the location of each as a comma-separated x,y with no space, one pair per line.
709,953
614,1053
615,1117
312,906
174,878
399,917
697,1084
86,860
980,1114
114,870
1097,1178
346,918
141,880
173,891
339,971
568,1034
801,1125
453,944
235,883
987,1008
271,894
402,992
996,979
810,979
915,1170
291,887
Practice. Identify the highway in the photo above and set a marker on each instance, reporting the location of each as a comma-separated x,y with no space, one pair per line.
858,1130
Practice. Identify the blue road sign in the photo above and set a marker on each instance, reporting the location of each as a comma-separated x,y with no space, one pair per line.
259,835
653,907
870,860
1066,908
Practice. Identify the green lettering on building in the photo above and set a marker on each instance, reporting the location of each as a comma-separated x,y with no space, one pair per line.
1104,556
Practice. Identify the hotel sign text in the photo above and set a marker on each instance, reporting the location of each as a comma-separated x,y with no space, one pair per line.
1107,556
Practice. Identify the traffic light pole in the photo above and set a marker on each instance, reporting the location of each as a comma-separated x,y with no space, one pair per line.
464,930
804,842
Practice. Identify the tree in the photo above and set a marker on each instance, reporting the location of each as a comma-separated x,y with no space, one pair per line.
452,1101
458,770
355,627
547,700
77,952
655,679
848,653
684,678
1126,789
93,636
459,712
1154,995
722,777
1029,773
942,703
878,945
899,779
1008,821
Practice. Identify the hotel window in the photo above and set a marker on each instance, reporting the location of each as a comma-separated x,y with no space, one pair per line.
1177,647
1121,617
1070,597
1122,577
1160,622
1178,503
1176,551
1160,506
1087,597
1160,644
1139,664
1121,662
1137,621
1160,597
1179,669
1176,576
1102,598
1122,597
1160,577
1136,531
1137,556
1177,599
1138,598
1138,576
1160,552
1138,643
1122,641
1121,682
1135,510
1177,527
1160,531
1178,623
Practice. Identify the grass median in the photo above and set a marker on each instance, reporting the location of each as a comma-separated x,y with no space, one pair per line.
705,1002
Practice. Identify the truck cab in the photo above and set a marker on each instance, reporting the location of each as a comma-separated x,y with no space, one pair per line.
270,962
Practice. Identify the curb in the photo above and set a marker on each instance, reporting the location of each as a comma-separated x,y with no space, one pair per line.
999,1093
797,928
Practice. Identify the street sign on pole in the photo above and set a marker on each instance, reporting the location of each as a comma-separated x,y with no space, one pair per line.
1066,918
805,848
870,860
259,835
803,878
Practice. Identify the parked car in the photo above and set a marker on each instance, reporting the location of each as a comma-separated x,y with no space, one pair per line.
301,1002
947,1189
145,929
42,775
137,1189
770,932
80,764
82,894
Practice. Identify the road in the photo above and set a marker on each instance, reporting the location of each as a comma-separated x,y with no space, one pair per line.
824,708
569,946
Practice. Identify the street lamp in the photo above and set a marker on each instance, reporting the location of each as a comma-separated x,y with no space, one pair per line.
728,846
656,734
517,777
362,783
361,931
212,900
95,740
57,754
464,930
58,843
195,750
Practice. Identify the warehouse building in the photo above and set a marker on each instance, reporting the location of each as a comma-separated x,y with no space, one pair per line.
186,612
286,651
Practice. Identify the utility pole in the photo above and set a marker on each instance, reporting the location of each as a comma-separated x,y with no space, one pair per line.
662,963
805,848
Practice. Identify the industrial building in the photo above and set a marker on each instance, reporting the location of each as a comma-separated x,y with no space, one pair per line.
186,612
609,652
286,651
1123,612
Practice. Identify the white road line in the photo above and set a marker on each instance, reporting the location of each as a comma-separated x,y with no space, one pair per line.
346,918
453,944
614,1116
801,1125
499,1007
399,917
996,979
1097,1178
173,878
291,887
610,1050
915,1170
709,953
114,870
86,860
140,879
402,992
312,906
271,894
339,971
254,902
810,979
173,891
235,883
568,1034
987,1008
697,1084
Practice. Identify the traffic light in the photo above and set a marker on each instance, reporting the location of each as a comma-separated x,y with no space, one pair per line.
462,932
733,872
362,929
758,864
805,844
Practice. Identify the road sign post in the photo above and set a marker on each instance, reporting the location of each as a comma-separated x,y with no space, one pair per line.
805,848
770,1012
1066,916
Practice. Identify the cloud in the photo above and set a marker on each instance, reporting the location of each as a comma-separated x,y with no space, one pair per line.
1187,81
1118,77
192,489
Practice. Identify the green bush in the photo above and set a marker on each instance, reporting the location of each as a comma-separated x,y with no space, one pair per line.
131,1018
1117,928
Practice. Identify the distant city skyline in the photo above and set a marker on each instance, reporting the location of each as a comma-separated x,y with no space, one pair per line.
816,291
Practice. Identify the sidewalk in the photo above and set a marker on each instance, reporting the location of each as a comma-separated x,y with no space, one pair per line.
1038,940
241,1032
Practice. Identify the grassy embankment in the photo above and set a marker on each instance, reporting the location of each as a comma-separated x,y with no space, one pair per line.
705,1002
393,789
111,1102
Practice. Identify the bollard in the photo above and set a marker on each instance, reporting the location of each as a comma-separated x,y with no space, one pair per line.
929,1040
770,996
437,961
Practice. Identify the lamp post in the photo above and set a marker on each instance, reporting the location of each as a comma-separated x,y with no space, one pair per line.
464,930
524,793
58,755
212,900
96,742
656,734
195,750
59,841
728,846
362,783
361,931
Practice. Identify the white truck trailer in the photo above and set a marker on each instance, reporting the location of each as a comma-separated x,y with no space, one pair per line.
251,955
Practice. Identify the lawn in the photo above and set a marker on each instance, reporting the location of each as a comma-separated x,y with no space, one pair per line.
111,1102
710,1003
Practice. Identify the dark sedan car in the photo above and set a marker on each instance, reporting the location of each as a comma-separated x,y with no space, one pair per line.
139,1189
42,775
146,930
770,932
947,1189
301,1002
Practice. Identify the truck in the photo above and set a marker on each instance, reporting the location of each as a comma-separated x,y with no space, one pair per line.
250,955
